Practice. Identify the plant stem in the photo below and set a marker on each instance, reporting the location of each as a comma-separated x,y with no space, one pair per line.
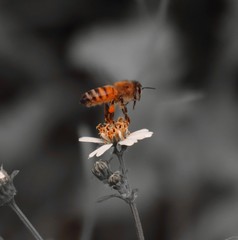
131,199
122,163
139,229
24,219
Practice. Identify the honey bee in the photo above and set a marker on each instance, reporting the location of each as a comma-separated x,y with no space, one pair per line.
121,93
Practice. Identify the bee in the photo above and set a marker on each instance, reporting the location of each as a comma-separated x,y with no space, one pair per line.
121,93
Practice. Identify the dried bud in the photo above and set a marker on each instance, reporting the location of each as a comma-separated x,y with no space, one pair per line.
115,179
7,189
101,170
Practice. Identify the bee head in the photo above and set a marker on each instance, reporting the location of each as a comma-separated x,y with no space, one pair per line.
137,95
137,92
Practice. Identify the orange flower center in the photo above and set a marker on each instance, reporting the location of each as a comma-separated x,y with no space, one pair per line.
115,131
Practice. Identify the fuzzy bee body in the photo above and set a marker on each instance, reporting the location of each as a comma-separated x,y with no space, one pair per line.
99,96
120,93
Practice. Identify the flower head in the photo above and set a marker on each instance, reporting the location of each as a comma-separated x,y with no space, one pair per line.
115,133
7,189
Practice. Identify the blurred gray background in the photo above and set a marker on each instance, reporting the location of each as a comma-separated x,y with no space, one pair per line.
187,173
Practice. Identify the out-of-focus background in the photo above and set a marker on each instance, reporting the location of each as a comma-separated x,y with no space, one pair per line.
187,173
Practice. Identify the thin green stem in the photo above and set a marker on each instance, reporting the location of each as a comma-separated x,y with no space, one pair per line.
24,219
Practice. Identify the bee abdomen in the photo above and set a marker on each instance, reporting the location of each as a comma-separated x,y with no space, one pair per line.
98,96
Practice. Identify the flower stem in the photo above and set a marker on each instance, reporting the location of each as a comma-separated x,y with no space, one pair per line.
136,216
122,162
24,219
131,195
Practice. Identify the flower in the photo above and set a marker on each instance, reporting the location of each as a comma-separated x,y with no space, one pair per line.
115,133
7,189
3,176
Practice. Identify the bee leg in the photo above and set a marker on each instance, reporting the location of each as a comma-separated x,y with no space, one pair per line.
106,113
109,112
124,110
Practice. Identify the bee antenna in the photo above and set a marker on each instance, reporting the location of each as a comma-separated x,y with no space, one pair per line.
148,88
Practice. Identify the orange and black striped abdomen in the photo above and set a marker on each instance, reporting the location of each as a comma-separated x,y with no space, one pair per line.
99,96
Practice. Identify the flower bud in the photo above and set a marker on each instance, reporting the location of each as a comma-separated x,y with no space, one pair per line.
7,189
101,170
115,179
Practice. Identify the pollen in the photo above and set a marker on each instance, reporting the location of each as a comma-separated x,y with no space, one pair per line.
115,131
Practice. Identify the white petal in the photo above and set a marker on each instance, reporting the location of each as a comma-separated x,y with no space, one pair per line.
140,131
103,149
127,142
99,151
135,136
92,154
90,139
140,135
